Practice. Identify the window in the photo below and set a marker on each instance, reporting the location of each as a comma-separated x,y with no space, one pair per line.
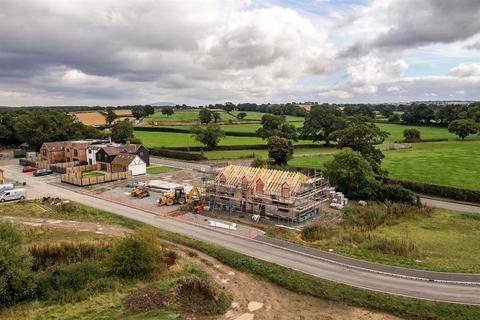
244,183
89,151
285,190
75,153
222,179
259,186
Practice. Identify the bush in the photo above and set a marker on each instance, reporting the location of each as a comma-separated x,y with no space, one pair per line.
317,232
16,279
411,135
260,163
70,283
438,190
49,254
136,256
161,152
395,193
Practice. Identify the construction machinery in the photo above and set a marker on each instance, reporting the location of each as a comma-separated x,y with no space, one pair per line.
176,196
140,192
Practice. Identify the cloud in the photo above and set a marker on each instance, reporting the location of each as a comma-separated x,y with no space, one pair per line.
466,70
194,51
403,24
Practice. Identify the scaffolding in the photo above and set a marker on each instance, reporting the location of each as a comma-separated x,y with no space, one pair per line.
296,207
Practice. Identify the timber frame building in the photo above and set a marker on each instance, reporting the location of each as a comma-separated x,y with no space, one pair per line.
289,196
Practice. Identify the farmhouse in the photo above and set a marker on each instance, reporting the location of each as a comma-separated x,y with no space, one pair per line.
290,196
107,156
66,151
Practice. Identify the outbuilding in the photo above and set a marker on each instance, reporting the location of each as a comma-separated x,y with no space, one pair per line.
129,162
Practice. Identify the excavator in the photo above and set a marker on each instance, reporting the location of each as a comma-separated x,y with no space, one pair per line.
179,196
140,192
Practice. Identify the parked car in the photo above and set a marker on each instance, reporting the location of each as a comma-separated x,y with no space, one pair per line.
29,169
42,172
14,194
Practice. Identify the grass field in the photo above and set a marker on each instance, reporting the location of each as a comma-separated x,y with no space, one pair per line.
160,169
440,238
239,154
449,163
171,139
252,115
396,132
247,127
189,115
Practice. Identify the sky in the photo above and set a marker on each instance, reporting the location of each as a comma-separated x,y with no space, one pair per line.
119,52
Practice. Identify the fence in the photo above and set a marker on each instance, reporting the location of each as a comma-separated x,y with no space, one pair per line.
78,180
78,169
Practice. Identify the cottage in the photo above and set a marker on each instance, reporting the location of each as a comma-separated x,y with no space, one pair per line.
52,152
66,151
129,162
281,194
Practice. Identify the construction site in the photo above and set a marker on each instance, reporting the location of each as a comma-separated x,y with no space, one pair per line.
275,194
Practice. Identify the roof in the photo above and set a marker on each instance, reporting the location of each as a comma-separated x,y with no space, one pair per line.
124,159
273,180
54,146
111,151
131,148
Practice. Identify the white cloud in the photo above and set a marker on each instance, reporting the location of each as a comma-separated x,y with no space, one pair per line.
466,70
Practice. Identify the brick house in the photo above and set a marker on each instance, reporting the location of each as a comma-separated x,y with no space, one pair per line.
66,151
105,155
53,152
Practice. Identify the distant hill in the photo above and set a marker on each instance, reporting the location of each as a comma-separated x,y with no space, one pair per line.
163,104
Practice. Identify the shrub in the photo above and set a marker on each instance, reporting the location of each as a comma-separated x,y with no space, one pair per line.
317,232
49,254
70,283
136,256
259,163
16,279
411,135
396,193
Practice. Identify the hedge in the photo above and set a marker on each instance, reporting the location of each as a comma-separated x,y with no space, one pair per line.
438,190
247,147
175,154
424,140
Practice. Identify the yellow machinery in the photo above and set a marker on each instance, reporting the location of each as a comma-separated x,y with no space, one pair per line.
140,192
178,196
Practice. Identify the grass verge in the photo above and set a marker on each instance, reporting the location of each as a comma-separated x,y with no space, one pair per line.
160,169
324,289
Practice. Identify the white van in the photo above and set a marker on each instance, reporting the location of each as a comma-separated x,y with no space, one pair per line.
14,194
6,186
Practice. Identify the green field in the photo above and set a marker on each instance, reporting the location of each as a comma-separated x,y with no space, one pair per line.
253,115
190,115
440,240
239,154
449,163
247,127
396,132
160,169
171,139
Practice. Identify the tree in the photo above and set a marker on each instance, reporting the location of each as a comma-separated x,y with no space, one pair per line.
359,110
279,149
463,128
418,113
122,131
273,125
209,135
148,109
168,111
138,113
16,278
43,125
241,115
320,122
228,107
362,136
449,113
394,118
110,116
259,163
350,173
411,135
205,116
216,117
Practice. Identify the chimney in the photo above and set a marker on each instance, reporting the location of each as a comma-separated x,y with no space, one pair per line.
109,139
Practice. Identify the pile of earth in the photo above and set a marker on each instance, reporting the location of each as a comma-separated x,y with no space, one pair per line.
146,299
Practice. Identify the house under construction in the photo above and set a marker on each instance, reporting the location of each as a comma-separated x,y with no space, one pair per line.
289,196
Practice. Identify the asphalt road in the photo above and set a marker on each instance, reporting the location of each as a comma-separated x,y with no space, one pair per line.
285,256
